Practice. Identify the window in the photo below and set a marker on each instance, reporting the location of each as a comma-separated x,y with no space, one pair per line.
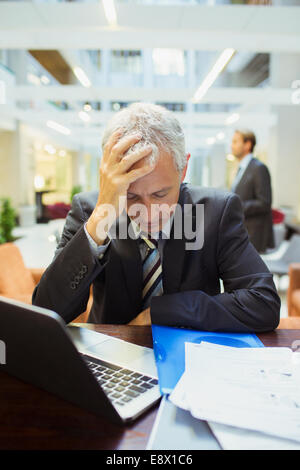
168,62
118,105
177,107
123,61
95,57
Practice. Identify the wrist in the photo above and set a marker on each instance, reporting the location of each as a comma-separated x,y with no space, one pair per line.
92,226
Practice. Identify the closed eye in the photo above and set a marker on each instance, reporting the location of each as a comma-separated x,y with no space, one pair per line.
131,196
162,193
159,194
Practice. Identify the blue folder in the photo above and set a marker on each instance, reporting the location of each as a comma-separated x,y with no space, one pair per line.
169,349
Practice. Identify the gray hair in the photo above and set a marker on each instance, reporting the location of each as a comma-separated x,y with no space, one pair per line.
158,127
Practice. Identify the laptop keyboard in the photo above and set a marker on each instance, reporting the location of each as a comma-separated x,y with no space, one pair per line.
120,385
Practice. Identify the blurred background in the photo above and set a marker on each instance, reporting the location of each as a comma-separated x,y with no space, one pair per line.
67,66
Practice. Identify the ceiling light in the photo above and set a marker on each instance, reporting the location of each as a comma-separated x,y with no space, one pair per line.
232,118
58,127
87,107
116,106
45,80
62,153
34,79
84,116
82,76
39,182
110,12
220,135
230,157
50,149
210,140
213,74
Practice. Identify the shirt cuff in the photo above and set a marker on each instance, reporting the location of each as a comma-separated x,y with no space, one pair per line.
97,250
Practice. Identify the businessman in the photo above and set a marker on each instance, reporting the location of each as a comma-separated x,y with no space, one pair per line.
253,185
143,268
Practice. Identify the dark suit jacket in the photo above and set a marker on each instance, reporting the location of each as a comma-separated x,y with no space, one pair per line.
191,279
255,191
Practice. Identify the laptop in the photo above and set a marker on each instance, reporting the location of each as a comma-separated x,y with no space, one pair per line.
104,375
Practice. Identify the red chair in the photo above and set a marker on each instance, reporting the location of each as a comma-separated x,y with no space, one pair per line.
277,216
57,211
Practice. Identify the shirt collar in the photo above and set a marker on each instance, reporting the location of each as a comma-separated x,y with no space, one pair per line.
165,231
245,161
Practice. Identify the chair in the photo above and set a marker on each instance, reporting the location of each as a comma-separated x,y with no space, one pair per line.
293,294
280,266
277,216
18,282
279,229
59,210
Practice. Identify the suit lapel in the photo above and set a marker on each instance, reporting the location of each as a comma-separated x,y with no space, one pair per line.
246,173
174,250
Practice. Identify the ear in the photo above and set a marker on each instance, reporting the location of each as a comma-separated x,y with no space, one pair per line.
188,156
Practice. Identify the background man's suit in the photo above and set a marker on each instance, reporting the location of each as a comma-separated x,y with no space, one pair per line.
254,189
191,283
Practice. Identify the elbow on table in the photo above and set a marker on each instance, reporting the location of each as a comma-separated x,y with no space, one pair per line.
271,318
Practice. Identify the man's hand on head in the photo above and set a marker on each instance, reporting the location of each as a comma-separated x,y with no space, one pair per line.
116,175
142,319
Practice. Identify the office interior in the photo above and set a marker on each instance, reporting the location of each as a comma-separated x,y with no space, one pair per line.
67,66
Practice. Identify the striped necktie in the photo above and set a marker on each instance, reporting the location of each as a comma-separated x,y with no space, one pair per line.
152,272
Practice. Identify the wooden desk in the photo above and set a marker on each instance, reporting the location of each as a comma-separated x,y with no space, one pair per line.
33,419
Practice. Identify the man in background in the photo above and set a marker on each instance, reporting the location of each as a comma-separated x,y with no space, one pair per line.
253,184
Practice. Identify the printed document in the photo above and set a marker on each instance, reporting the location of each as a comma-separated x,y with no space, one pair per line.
254,389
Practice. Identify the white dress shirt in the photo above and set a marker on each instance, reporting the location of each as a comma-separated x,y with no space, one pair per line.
241,170
99,250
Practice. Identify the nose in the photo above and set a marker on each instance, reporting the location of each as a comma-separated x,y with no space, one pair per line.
150,211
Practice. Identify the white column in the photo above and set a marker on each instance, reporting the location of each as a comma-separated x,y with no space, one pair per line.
148,69
17,62
284,150
105,63
78,169
26,167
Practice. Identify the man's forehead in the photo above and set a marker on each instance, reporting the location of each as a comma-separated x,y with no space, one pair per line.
163,175
163,159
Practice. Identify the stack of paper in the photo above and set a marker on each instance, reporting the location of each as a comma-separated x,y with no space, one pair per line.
256,389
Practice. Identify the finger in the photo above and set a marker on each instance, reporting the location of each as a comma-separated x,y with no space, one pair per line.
122,146
113,140
137,173
134,157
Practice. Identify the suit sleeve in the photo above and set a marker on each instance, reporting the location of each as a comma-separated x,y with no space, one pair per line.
262,202
249,302
65,285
